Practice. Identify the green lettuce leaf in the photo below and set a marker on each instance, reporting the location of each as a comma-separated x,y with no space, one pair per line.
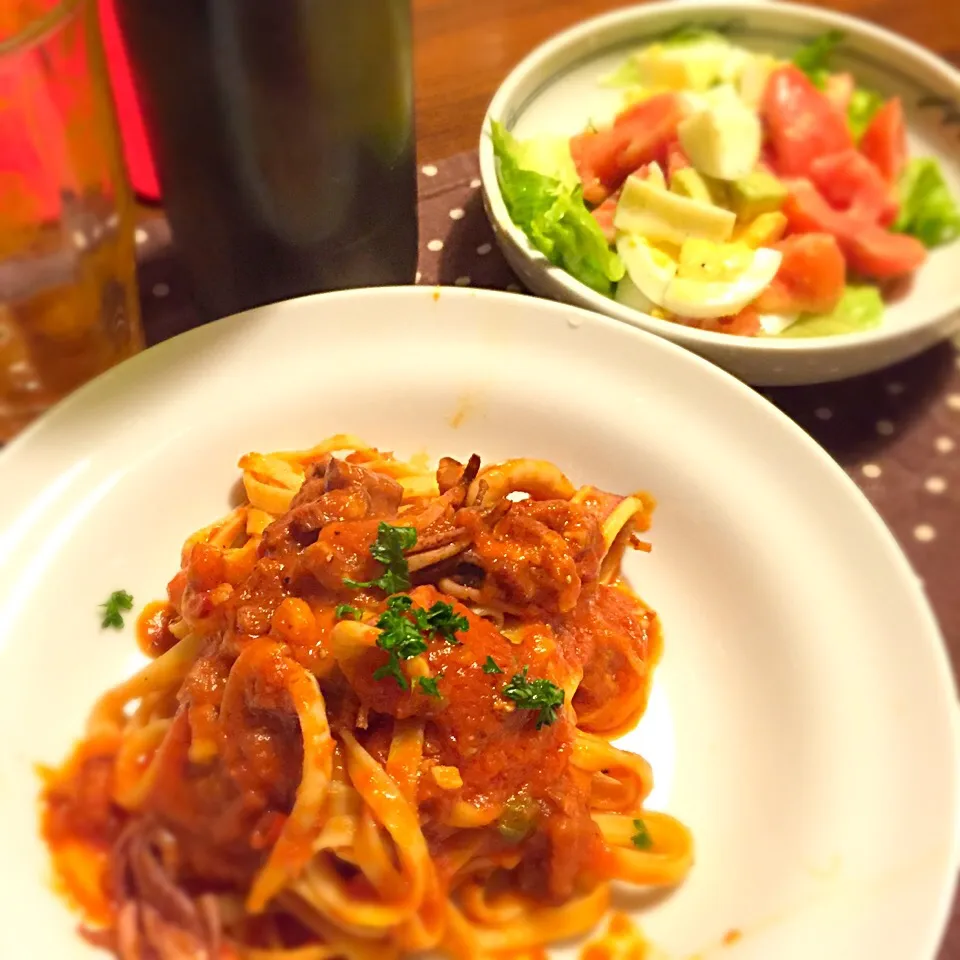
687,33
549,155
927,211
626,75
813,58
553,216
860,308
863,106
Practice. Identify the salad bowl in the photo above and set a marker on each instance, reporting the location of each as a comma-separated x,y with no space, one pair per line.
770,309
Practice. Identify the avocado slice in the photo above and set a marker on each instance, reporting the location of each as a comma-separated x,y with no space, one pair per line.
756,193
689,183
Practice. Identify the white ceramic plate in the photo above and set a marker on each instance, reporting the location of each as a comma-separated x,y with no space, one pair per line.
555,90
802,719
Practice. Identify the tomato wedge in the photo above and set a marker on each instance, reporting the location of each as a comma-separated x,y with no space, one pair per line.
603,214
870,249
849,181
744,324
801,122
811,277
884,142
639,135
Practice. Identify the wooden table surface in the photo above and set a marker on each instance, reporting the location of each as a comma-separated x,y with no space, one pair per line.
464,49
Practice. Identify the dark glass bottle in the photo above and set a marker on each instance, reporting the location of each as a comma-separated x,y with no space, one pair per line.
283,135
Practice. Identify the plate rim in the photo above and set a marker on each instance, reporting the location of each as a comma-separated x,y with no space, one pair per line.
690,337
869,519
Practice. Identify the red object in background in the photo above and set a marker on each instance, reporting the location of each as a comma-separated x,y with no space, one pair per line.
136,149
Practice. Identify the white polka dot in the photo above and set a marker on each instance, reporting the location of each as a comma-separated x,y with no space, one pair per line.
894,388
160,289
428,170
924,532
884,427
935,484
434,245
943,444
80,241
871,470
416,279
140,235
457,213
113,221
953,401
484,249
514,288
823,413
462,281
475,182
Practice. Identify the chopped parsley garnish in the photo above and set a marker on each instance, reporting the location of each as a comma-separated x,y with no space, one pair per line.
405,630
388,548
641,839
429,686
118,601
346,611
400,637
441,621
491,666
541,695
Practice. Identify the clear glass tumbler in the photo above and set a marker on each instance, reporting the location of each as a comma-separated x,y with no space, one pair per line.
68,294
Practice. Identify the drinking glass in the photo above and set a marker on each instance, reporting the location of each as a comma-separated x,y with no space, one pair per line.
68,295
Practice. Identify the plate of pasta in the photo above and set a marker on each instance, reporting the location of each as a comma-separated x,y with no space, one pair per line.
399,620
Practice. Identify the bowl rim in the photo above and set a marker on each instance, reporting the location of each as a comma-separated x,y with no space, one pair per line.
583,295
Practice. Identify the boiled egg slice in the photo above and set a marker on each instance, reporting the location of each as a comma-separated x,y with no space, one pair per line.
718,280
722,141
647,210
630,295
651,269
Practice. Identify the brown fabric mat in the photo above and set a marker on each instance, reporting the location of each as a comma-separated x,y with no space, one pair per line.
896,432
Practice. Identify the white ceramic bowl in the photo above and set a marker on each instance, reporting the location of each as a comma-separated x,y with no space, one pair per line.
802,718
555,90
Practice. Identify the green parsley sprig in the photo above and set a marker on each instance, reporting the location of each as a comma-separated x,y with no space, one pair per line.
346,611
441,621
641,839
428,685
490,666
541,695
399,637
389,549
111,613
405,630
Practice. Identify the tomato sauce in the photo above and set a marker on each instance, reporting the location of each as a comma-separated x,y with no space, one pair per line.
153,628
226,772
